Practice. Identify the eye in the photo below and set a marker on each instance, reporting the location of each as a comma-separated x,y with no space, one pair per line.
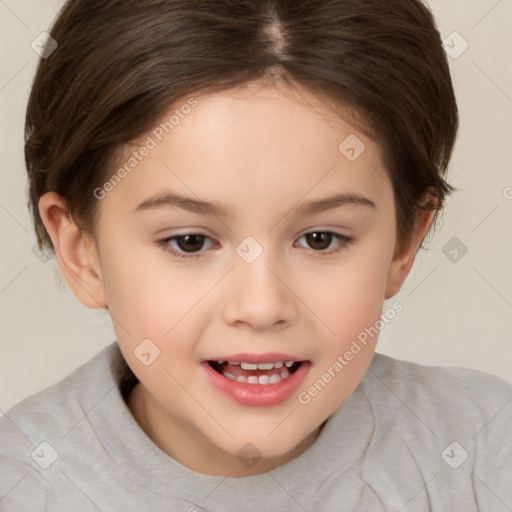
185,246
189,246
321,241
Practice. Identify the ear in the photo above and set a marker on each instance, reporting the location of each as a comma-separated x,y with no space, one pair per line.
403,258
76,252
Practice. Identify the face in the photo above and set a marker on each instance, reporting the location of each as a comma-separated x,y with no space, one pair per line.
240,259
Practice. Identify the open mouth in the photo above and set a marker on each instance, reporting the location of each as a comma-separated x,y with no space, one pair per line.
256,373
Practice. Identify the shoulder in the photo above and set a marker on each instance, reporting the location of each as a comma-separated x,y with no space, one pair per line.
452,403
460,387
22,488
30,431
449,425
60,404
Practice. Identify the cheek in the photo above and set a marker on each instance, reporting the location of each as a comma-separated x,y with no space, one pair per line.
349,296
351,308
144,294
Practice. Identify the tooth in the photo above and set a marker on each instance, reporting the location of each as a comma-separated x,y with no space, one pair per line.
265,366
252,379
278,365
241,379
288,363
274,379
220,361
263,379
229,376
249,366
232,362
285,373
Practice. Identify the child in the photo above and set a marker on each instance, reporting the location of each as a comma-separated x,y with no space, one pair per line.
302,145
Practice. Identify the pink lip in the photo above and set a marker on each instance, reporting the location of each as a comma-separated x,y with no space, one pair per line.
258,395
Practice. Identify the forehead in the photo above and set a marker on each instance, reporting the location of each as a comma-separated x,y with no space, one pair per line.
254,142
262,110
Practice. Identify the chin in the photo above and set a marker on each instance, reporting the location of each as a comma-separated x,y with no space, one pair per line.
266,442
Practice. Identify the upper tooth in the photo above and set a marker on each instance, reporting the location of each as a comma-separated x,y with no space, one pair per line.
260,366
220,361
249,366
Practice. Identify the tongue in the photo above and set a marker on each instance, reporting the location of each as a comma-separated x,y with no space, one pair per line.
237,371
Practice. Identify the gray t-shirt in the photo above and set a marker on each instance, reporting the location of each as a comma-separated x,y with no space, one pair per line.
410,438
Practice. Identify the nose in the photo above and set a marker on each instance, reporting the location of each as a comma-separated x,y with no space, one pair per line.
259,296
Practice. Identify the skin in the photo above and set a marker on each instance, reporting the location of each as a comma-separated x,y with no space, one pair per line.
261,151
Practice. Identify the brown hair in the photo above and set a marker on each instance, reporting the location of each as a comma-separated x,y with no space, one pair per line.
120,64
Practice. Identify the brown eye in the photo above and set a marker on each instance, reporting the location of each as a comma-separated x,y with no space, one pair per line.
322,242
190,243
319,240
187,246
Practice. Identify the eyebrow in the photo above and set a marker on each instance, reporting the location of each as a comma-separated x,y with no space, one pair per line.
218,210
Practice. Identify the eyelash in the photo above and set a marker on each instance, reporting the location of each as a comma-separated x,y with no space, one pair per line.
346,241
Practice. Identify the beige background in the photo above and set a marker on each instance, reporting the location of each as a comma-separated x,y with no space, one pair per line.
455,313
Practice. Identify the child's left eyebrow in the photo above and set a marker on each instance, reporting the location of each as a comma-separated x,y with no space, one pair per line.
331,202
213,208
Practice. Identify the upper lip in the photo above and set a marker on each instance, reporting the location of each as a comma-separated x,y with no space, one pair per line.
268,357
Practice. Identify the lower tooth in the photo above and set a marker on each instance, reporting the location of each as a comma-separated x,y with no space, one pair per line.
252,379
263,379
274,379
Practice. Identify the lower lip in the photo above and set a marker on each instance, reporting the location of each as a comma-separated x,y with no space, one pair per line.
257,395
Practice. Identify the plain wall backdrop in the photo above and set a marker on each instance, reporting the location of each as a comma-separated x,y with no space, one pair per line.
457,301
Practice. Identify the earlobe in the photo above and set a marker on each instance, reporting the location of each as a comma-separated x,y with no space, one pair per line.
75,250
404,256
